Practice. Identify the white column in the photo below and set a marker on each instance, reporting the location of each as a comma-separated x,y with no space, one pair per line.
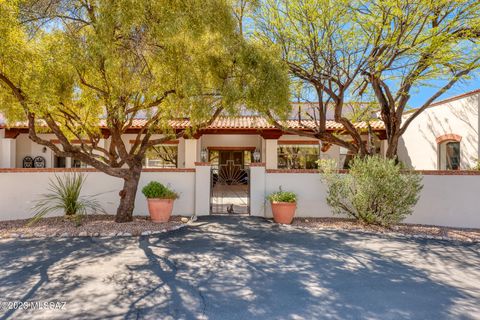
202,189
271,153
68,162
190,152
8,153
257,189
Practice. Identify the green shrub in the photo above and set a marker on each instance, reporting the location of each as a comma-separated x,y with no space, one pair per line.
64,196
376,190
156,190
282,196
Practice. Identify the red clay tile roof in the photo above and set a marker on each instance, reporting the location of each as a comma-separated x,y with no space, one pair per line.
254,122
246,122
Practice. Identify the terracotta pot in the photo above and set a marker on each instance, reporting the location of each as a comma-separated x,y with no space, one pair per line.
160,209
283,212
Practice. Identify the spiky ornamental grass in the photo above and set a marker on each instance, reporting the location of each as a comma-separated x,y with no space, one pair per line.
65,196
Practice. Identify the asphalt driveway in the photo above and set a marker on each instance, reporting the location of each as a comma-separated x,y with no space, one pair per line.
242,268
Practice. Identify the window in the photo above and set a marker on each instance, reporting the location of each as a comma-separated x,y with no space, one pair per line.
78,164
239,157
59,162
161,157
450,155
298,156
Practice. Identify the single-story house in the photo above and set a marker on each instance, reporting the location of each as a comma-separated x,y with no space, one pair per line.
240,138
233,164
443,137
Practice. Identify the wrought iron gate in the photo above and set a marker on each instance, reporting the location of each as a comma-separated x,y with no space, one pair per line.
230,189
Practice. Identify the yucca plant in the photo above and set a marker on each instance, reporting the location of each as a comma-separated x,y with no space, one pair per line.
64,196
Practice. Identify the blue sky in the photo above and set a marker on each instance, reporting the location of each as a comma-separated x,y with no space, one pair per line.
418,97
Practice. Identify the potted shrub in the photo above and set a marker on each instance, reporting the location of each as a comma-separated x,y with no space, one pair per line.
284,204
160,201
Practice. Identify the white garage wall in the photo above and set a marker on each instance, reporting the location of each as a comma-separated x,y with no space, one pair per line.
446,200
18,189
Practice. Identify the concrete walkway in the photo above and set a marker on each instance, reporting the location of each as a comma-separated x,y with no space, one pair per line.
242,268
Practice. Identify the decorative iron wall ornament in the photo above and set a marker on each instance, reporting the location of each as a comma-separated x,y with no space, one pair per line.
27,162
230,190
39,162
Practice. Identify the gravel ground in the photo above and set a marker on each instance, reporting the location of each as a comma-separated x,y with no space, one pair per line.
92,225
459,234
104,225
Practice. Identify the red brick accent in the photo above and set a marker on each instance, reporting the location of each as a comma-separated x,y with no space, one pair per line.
448,172
463,95
200,164
449,137
304,142
30,170
257,164
165,142
168,170
292,171
422,172
76,141
11,134
232,148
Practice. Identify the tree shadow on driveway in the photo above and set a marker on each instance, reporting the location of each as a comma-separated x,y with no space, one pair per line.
244,268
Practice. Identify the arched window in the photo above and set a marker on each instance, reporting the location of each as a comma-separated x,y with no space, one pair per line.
449,155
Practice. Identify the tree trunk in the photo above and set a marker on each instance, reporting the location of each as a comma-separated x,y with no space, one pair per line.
127,195
392,147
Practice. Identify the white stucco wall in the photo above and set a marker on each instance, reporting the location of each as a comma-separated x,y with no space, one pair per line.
418,147
18,189
308,187
188,149
231,140
26,147
446,200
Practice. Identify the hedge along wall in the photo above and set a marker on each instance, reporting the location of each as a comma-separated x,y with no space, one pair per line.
18,187
448,198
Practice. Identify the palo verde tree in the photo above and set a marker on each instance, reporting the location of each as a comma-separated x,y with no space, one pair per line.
67,65
373,51
324,51
415,44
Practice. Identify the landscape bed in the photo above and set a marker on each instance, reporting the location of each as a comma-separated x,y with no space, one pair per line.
415,230
92,225
105,226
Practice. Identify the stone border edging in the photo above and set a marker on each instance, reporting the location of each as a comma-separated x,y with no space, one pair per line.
85,234
392,234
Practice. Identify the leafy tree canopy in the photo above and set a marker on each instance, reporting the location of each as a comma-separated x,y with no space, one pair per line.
68,63
378,51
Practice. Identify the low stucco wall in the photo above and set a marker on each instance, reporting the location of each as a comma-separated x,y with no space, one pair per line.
446,200
19,189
